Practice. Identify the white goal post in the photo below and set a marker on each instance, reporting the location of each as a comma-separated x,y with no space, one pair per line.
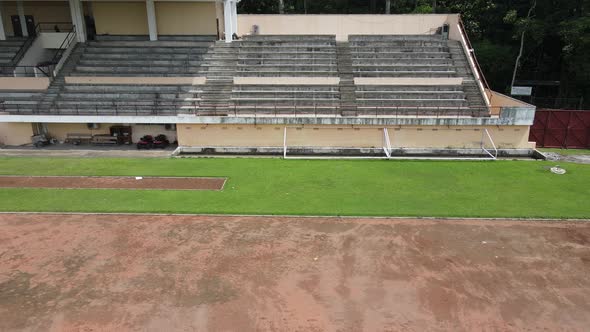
492,154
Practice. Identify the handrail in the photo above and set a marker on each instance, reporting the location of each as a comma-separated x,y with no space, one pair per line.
115,107
67,42
480,77
47,67
25,46
472,54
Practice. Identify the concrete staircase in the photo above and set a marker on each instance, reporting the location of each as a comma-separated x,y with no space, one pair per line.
473,95
346,87
9,48
221,69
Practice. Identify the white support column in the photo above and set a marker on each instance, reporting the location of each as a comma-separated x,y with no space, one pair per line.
151,19
77,13
234,14
20,9
227,20
2,32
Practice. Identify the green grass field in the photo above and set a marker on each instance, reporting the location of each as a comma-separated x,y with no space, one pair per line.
316,187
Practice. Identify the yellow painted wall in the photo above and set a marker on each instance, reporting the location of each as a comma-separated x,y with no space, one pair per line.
219,135
186,18
15,133
24,83
42,11
120,18
346,136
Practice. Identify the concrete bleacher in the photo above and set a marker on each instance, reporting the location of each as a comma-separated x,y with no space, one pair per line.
422,58
8,49
286,99
295,56
14,100
127,58
377,75
136,56
401,56
298,55
126,99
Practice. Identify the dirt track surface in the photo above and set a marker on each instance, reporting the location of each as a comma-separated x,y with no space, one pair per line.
111,182
166,273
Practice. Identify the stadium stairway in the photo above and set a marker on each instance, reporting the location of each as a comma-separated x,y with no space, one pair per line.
346,87
8,50
472,93
221,69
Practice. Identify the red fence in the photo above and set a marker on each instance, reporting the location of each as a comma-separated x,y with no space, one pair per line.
561,129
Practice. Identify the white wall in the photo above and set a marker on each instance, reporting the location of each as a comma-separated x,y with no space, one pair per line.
344,25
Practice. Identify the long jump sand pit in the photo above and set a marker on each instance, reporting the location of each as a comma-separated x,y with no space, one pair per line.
205,273
112,182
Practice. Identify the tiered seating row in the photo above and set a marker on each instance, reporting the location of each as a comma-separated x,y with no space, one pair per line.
121,99
287,56
142,58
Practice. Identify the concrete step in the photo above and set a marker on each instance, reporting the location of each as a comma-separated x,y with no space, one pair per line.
353,38
393,49
386,95
411,102
150,44
286,74
151,63
403,67
417,74
135,51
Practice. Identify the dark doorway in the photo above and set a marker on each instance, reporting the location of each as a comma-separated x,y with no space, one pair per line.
16,27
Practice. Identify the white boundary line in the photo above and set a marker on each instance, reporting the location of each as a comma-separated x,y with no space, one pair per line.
116,177
295,216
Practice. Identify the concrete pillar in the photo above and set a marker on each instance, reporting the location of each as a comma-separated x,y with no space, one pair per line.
2,32
77,13
20,9
151,19
234,14
227,18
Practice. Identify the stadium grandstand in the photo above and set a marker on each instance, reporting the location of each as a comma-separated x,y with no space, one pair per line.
217,81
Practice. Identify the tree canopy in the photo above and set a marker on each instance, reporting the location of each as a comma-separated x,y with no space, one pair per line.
556,45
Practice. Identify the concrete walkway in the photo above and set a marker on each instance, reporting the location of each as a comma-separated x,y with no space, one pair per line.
90,152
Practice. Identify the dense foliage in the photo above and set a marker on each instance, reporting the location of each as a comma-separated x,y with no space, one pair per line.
556,42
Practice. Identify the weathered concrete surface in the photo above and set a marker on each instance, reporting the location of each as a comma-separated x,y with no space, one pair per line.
90,151
156,273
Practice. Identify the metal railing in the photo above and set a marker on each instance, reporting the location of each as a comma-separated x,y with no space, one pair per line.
197,108
472,55
556,103
46,68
